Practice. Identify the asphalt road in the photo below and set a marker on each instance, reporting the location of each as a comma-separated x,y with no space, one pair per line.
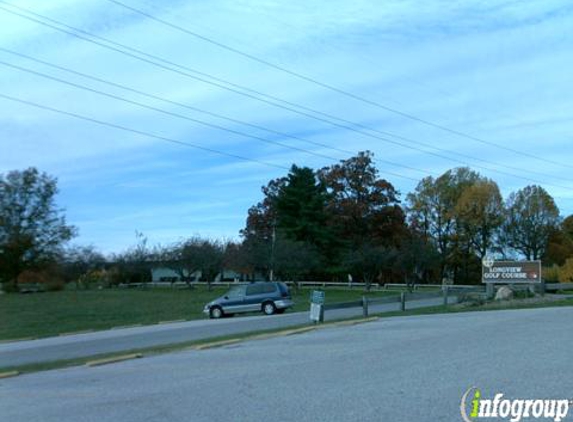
396,369
92,344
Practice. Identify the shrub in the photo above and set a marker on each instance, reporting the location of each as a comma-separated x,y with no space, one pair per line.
8,287
44,280
55,285
551,274
566,272
471,298
523,294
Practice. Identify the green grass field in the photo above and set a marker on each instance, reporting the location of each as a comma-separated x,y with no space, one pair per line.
53,313
181,346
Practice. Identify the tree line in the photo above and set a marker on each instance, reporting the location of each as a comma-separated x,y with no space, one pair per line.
342,222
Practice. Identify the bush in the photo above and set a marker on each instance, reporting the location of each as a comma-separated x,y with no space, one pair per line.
566,272
32,277
551,274
55,285
9,287
523,294
471,298
93,278
44,280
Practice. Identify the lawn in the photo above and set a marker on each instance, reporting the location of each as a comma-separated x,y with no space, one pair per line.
53,313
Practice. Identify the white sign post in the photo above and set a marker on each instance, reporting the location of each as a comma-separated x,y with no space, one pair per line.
316,312
317,306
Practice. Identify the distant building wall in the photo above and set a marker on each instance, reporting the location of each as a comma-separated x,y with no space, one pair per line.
167,274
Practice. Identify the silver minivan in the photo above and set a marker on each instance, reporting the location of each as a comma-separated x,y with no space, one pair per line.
266,297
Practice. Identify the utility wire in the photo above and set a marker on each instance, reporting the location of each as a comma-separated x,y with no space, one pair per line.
187,106
241,91
329,86
146,134
177,115
159,110
159,137
139,132
199,110
201,122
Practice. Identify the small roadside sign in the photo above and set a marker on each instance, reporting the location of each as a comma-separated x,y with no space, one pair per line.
317,296
316,312
317,306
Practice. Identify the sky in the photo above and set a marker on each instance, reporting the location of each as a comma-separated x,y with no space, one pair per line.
172,128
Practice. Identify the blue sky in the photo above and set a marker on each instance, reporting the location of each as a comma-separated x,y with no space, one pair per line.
499,71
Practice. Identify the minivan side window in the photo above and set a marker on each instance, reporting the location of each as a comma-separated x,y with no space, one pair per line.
236,291
269,288
255,289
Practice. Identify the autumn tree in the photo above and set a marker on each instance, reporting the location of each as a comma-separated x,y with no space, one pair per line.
567,227
531,218
33,229
566,272
559,248
260,229
363,208
261,218
560,244
479,211
432,213
235,258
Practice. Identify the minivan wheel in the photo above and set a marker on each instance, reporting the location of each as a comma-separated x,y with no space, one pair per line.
216,312
269,308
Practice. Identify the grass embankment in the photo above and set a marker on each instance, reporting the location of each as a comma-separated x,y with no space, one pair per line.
53,313
232,339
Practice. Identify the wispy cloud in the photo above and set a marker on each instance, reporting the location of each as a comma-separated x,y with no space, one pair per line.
499,70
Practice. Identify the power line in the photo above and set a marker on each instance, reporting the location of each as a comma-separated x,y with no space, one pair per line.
183,73
193,108
180,116
143,133
336,47
351,126
159,110
177,115
139,132
329,86
159,137
252,96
